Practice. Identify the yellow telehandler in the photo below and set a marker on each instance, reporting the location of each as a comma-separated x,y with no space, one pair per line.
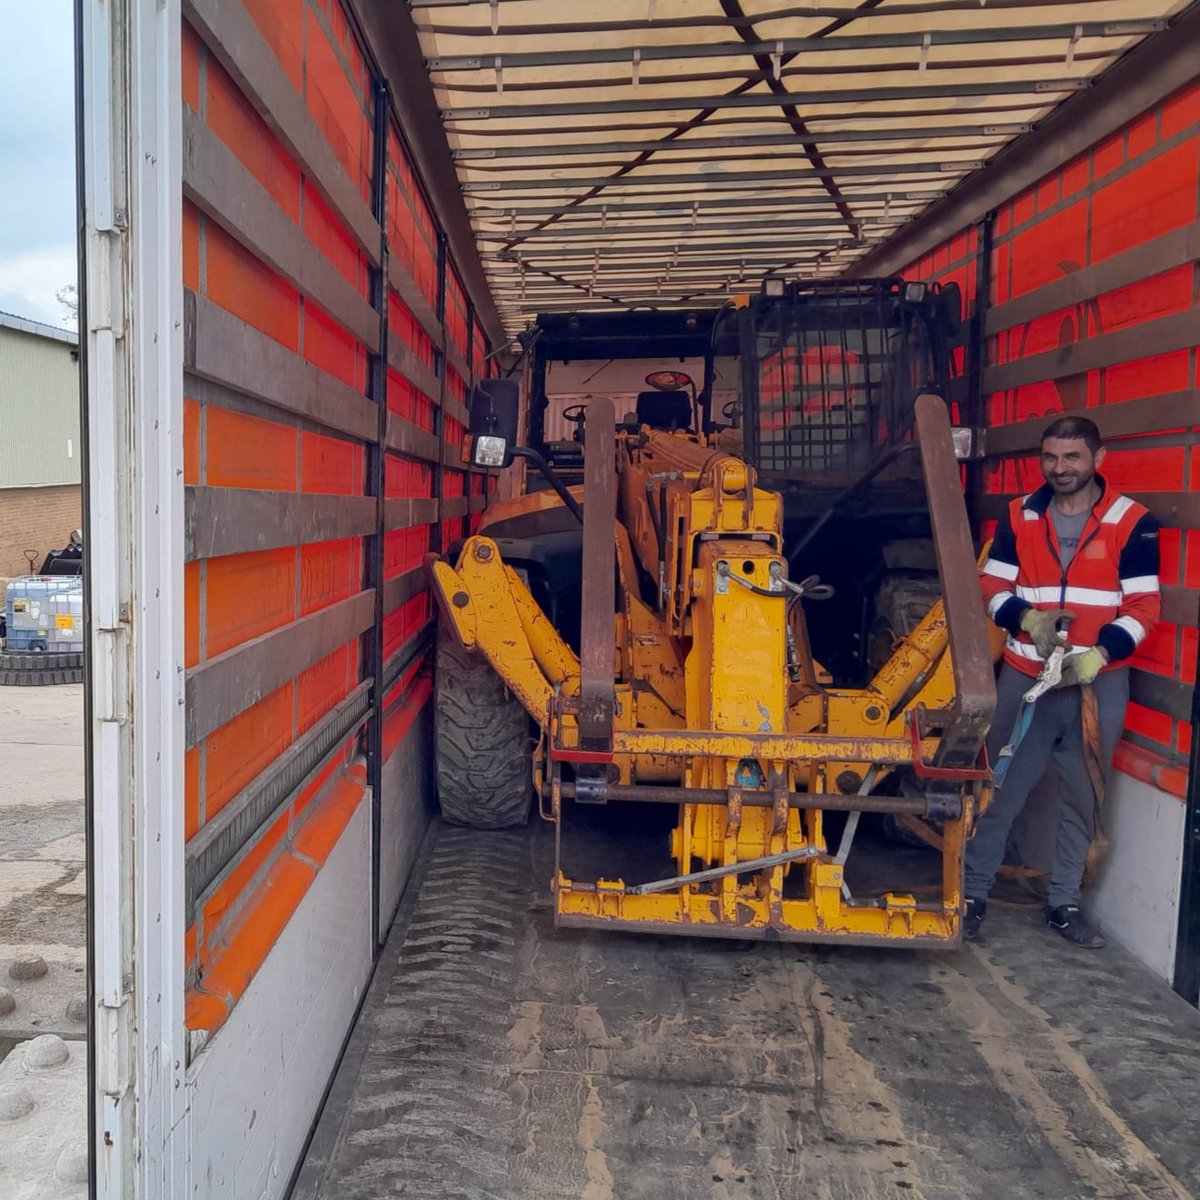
701,612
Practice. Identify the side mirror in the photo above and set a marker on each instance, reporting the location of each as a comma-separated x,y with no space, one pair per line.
950,311
495,414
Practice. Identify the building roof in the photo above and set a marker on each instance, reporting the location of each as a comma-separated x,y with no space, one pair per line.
25,325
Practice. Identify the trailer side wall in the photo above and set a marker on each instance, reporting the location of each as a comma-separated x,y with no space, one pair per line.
314,397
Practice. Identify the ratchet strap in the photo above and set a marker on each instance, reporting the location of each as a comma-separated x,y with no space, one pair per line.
1093,758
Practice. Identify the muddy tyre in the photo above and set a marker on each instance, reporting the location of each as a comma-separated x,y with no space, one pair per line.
901,602
483,742
39,670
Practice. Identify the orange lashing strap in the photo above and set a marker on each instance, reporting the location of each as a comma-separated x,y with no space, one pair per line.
1096,769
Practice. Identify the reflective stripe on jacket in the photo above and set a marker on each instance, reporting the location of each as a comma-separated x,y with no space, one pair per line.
1111,585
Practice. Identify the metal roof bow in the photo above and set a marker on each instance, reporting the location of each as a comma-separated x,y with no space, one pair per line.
669,151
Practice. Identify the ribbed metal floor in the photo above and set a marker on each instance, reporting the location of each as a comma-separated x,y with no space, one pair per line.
498,1060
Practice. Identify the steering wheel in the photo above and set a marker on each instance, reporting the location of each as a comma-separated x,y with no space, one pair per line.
576,414
730,409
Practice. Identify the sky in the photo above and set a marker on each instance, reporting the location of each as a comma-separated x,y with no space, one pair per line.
37,156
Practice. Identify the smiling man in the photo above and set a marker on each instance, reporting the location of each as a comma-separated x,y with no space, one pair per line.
1078,556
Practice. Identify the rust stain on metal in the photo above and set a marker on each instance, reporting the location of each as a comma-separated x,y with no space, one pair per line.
734,816
780,806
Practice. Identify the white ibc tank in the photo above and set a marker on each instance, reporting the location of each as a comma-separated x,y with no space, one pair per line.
45,613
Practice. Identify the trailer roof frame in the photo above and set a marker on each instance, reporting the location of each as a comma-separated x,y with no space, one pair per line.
675,103
652,53
923,105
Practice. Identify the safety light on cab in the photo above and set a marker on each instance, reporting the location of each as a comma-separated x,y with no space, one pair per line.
489,451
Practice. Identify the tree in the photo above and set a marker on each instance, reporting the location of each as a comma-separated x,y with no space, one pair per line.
68,297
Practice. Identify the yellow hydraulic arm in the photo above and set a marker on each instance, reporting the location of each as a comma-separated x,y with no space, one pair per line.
714,707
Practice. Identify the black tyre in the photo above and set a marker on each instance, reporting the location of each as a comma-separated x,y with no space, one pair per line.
483,742
37,670
902,600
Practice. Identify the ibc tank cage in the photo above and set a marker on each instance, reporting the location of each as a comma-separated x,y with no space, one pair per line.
44,614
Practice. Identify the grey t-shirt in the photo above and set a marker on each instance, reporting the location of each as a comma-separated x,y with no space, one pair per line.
1069,527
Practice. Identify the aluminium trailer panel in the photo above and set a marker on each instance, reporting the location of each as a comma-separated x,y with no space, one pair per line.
207,1086
128,103
277,347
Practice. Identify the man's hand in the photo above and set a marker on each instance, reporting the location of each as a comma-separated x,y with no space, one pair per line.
1043,627
1082,667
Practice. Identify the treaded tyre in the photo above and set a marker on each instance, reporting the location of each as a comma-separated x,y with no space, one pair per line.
38,670
483,742
903,599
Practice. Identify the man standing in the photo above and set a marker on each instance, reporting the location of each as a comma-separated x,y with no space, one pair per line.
1075,555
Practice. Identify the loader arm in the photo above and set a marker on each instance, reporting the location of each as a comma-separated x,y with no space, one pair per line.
491,611
698,699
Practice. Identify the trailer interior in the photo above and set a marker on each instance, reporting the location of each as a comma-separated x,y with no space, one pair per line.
308,228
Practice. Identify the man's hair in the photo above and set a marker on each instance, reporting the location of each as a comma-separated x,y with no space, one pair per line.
1075,427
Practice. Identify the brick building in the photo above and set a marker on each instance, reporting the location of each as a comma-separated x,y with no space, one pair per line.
40,446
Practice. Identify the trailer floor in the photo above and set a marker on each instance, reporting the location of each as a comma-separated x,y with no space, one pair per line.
498,1060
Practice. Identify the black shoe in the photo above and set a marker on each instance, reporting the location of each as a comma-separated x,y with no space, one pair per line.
1071,923
976,910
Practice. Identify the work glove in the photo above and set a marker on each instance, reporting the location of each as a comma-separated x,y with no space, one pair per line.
1042,626
1082,667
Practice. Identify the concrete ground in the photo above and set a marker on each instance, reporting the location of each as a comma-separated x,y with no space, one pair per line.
42,857
497,1059
43,1121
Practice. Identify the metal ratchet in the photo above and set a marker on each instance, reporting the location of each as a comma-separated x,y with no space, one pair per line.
1051,673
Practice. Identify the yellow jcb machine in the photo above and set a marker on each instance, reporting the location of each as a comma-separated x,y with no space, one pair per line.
642,629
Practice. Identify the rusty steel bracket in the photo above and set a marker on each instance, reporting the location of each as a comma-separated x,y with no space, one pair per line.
597,658
926,770
567,755
558,753
968,722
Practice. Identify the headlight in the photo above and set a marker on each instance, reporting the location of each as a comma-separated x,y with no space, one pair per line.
489,451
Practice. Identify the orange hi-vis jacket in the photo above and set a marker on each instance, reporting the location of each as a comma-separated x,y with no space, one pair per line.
1111,585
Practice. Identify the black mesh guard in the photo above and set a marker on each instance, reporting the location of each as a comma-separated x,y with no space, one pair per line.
833,373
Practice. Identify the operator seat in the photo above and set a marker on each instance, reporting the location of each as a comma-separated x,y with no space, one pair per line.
664,410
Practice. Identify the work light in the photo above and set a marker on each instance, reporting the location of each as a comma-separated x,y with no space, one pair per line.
489,451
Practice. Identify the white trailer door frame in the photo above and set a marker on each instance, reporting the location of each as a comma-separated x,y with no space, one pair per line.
128,79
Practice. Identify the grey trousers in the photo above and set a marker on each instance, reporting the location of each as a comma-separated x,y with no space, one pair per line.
1056,733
